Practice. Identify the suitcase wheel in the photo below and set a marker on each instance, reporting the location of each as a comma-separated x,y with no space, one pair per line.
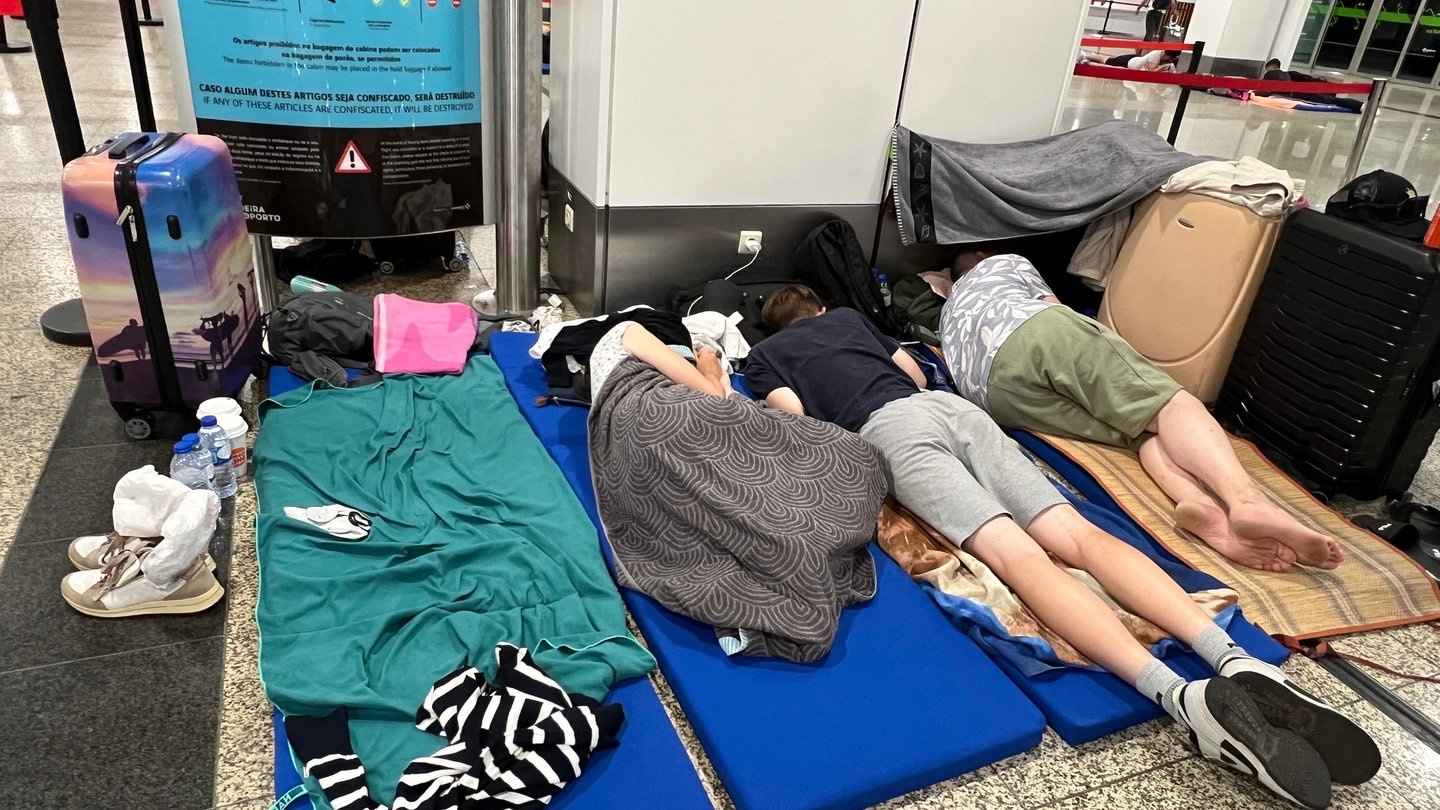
387,268
140,425
457,265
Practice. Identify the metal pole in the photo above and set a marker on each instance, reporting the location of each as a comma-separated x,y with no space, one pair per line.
516,25
1184,95
145,18
139,76
6,46
267,284
1362,134
43,19
64,322
1105,26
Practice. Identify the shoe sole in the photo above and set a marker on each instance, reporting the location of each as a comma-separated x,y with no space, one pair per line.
81,564
1349,753
1279,758
194,604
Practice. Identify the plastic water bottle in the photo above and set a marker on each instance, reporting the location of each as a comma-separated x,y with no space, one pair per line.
304,284
213,438
884,287
200,458
462,254
184,469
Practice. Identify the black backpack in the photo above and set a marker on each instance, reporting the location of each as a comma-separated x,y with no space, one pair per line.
727,296
320,334
328,260
831,262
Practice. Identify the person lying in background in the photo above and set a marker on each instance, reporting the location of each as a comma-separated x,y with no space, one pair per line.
1152,61
1033,363
947,462
698,489
1272,72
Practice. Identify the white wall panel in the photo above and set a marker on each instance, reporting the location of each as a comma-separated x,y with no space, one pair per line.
753,102
581,40
1207,23
1247,29
988,72
1250,30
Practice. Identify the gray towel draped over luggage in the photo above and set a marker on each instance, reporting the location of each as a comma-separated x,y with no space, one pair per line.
949,193
742,517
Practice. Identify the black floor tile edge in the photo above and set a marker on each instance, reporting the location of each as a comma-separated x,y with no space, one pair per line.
38,628
91,421
136,730
75,492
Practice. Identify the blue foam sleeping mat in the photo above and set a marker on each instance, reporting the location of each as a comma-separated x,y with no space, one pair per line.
901,702
1081,705
1085,705
650,769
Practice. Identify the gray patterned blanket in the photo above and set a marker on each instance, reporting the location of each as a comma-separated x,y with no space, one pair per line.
949,192
749,519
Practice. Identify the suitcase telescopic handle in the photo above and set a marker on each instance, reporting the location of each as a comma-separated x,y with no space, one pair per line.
129,146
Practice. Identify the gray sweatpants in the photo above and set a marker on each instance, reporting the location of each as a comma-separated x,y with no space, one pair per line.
949,463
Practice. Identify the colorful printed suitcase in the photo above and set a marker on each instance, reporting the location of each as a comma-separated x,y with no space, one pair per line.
157,231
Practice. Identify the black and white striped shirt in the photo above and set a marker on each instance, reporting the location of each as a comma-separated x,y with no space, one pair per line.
514,742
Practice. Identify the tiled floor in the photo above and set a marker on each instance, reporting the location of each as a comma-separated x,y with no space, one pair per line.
168,712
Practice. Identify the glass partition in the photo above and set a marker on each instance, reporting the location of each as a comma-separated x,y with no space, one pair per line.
1423,54
1310,33
1342,33
1388,37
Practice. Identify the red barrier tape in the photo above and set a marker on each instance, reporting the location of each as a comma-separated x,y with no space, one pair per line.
1206,81
1135,44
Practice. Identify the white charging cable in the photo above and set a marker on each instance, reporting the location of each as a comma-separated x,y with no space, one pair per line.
753,245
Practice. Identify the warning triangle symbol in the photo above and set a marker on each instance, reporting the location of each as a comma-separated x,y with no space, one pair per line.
351,161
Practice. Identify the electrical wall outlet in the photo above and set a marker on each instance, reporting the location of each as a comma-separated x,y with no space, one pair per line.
569,218
746,236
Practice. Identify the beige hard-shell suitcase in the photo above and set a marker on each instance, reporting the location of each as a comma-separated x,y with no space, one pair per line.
1184,282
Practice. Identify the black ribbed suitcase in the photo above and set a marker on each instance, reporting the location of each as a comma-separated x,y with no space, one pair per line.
1337,367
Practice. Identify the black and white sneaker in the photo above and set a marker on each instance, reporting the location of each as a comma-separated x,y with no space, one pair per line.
1228,727
1350,754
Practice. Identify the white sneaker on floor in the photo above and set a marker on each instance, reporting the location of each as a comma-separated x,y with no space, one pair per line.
93,551
122,589
340,521
1349,752
1228,727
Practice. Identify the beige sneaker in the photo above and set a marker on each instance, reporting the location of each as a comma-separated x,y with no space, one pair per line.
122,589
95,551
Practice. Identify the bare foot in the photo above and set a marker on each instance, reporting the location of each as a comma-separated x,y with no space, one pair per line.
1256,520
1208,522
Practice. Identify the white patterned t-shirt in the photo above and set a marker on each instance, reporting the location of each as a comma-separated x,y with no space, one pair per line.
985,307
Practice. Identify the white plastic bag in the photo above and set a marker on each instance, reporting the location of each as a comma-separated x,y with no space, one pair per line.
187,534
144,499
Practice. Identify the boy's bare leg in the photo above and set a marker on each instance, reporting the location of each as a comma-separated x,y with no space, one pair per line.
1058,599
1126,574
1197,512
1191,438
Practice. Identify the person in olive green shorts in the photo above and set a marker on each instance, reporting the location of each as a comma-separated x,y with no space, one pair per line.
1033,363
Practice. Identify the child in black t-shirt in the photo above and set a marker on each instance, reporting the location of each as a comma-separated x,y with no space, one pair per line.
948,462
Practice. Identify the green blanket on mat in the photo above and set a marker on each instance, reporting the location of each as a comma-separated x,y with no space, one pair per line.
476,539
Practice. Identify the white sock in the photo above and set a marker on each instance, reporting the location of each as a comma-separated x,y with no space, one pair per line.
1216,647
1159,682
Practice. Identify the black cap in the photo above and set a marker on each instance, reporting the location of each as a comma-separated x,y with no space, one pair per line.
1384,201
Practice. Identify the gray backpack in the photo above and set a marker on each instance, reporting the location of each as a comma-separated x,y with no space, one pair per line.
318,335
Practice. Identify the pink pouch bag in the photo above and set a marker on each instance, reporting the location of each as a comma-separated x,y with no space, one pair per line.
421,338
